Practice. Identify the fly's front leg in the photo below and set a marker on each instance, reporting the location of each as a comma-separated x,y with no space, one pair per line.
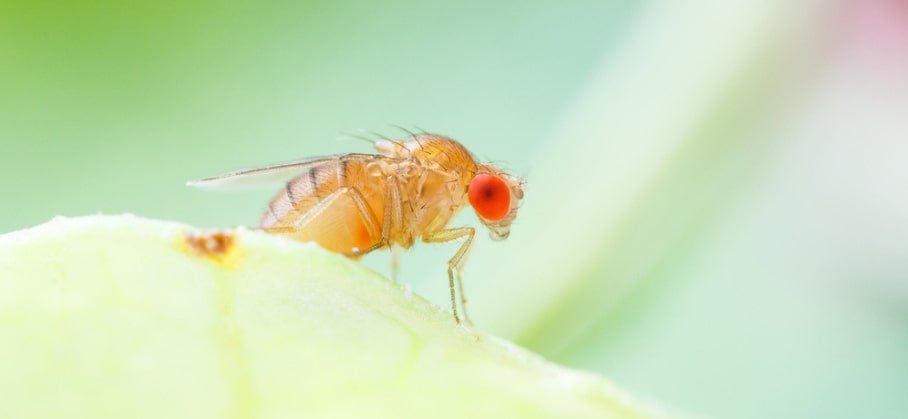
454,264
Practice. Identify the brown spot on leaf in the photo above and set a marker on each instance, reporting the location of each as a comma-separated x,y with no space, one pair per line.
218,246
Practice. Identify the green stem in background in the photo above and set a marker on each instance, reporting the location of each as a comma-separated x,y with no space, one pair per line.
652,151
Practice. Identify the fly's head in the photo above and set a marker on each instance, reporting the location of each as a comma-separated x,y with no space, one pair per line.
495,196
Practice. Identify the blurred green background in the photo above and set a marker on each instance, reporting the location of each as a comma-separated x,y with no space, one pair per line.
716,215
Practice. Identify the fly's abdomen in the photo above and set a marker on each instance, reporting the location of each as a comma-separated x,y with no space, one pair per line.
336,204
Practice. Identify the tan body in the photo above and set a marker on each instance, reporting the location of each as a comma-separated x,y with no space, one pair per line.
356,203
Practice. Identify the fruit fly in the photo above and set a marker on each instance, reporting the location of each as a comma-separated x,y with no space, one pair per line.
411,189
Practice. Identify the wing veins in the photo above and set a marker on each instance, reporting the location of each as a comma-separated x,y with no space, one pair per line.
272,173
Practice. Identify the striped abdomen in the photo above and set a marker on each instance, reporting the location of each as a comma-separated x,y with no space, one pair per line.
335,203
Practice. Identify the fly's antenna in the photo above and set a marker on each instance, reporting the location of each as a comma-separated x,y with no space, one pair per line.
523,176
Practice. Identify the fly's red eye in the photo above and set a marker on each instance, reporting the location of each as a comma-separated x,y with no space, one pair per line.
490,197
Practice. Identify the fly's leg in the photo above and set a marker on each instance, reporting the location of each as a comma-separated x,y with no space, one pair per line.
392,213
395,263
365,211
362,207
463,296
443,236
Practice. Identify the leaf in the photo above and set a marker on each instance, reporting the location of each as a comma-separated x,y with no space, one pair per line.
117,316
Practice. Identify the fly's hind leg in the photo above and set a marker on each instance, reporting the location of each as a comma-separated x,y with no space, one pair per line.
454,264
391,215
368,218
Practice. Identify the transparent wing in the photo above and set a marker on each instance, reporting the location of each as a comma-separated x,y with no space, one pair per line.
269,175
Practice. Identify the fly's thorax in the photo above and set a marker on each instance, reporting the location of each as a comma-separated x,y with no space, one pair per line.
440,153
435,197
401,169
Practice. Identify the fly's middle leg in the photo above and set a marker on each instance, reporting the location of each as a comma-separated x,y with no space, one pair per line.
455,263
463,296
395,263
